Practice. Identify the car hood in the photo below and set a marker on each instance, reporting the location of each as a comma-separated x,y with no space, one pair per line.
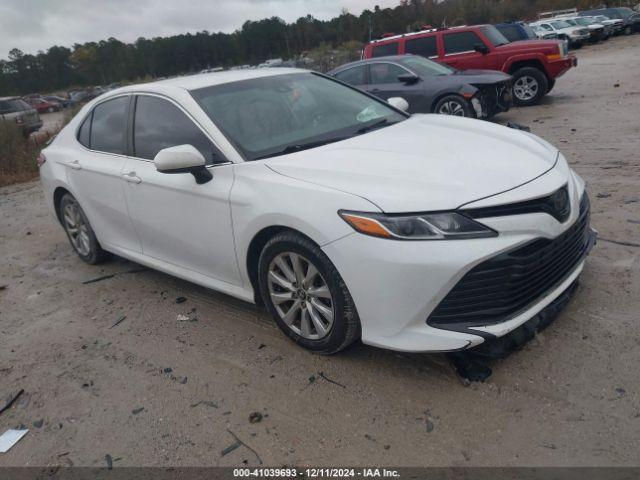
481,76
426,163
529,45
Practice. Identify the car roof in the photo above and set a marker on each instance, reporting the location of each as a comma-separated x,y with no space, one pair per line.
202,80
388,58
9,98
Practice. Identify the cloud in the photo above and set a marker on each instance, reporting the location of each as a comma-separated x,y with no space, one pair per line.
33,25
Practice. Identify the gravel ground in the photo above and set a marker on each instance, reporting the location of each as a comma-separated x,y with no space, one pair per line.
158,390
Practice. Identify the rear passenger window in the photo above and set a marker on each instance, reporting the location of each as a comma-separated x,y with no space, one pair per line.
510,31
85,131
160,124
384,50
352,76
460,42
425,46
108,126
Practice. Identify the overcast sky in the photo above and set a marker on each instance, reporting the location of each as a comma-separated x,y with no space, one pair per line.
33,25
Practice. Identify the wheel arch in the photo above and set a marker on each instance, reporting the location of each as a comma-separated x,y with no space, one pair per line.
533,62
58,193
256,245
441,95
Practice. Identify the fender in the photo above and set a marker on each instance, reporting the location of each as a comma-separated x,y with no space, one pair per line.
538,56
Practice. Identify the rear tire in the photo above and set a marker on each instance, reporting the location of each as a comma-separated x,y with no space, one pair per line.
529,86
306,295
78,229
454,105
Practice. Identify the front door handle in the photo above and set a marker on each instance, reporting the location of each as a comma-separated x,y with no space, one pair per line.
132,177
75,165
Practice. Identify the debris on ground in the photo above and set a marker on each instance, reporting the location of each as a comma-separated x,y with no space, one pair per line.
118,322
109,460
261,346
136,411
111,275
2,287
469,368
632,200
603,195
9,438
11,401
231,448
517,126
243,444
255,417
208,403
181,299
182,317
38,423
324,377
168,370
619,242
616,85
637,222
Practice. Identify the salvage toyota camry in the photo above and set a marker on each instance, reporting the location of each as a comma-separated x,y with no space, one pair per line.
346,217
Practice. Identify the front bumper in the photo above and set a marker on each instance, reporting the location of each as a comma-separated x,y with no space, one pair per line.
396,285
557,68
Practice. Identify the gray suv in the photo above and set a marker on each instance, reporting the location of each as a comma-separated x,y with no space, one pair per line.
17,110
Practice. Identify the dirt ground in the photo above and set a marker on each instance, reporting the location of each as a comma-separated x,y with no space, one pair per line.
158,390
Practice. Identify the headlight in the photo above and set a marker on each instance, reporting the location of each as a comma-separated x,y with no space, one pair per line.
428,226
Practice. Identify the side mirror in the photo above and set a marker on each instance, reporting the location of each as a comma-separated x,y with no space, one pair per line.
481,48
408,78
183,159
399,103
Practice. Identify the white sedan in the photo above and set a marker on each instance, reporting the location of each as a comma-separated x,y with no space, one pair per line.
346,217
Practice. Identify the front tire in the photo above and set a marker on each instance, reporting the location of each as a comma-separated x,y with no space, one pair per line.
454,105
81,235
306,295
529,86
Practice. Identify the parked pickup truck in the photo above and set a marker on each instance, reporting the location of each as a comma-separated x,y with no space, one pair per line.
534,64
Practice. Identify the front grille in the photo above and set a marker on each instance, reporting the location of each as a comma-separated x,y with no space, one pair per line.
501,287
557,205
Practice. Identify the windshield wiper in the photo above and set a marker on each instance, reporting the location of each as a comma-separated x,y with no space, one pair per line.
301,146
373,125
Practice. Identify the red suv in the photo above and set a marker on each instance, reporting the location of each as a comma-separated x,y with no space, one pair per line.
534,64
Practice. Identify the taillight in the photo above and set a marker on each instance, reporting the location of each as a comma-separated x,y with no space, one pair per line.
41,159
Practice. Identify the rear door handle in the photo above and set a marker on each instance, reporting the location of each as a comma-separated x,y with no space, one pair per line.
75,165
132,177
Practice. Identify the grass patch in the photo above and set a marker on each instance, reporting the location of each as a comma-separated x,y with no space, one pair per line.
17,155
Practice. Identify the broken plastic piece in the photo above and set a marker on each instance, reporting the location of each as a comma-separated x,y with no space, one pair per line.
9,438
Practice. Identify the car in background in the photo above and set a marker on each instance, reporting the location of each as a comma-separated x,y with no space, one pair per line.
430,87
65,102
542,34
534,64
515,31
597,30
42,105
630,19
16,110
615,24
575,36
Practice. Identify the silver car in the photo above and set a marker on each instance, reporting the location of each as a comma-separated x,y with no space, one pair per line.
17,110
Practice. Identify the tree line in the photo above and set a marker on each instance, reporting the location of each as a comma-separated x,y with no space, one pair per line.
107,61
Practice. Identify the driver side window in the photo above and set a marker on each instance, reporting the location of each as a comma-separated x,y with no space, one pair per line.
159,124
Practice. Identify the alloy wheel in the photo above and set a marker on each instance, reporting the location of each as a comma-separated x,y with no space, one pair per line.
300,295
76,227
452,108
525,88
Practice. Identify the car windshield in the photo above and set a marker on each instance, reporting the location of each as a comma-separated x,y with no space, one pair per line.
584,21
494,35
279,114
530,32
423,67
560,24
